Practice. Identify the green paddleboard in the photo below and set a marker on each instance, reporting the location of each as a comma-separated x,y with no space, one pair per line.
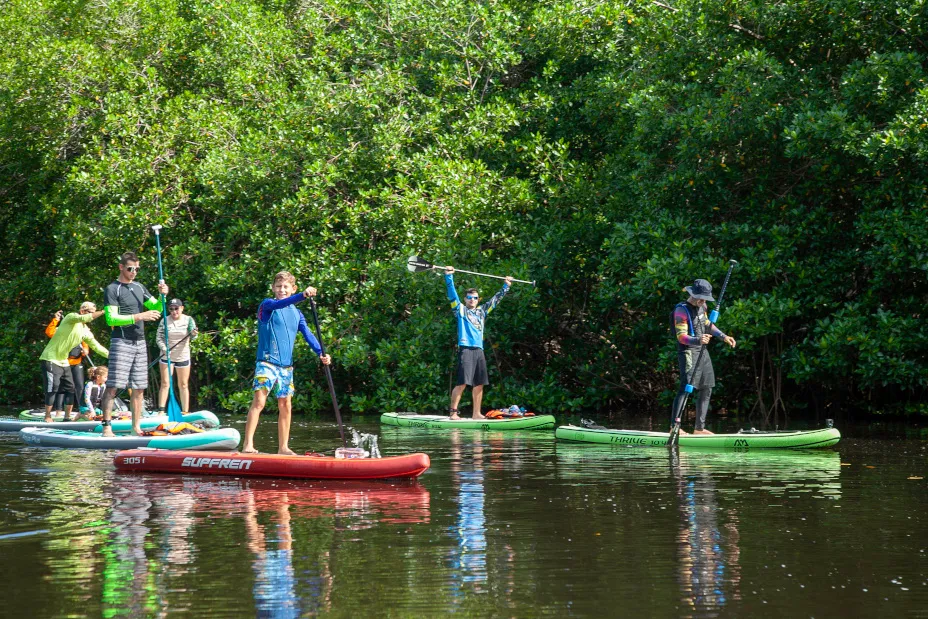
442,422
800,439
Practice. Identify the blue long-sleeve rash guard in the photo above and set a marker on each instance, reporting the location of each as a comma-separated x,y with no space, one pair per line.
278,323
471,322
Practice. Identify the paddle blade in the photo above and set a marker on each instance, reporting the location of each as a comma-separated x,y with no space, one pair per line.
415,264
175,414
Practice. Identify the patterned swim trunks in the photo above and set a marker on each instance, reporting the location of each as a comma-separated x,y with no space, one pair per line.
268,376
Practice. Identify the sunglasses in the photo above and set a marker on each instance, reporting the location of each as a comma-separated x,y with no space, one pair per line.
471,296
133,269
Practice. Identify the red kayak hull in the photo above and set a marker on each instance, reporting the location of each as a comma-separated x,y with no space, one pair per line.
270,465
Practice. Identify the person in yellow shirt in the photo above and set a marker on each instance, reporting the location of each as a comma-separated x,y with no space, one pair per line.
56,368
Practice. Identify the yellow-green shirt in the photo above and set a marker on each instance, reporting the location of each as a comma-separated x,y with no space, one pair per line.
71,332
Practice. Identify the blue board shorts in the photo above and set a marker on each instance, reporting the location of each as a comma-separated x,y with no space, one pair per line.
269,376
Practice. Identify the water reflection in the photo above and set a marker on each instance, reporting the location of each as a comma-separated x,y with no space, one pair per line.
711,489
136,568
708,539
469,558
128,587
274,586
354,505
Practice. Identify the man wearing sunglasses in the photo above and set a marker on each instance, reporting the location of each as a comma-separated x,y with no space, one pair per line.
472,364
128,306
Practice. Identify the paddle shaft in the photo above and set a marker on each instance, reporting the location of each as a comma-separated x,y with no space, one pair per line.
456,270
174,413
675,431
328,373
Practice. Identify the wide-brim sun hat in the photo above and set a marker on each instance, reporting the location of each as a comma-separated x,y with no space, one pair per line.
701,289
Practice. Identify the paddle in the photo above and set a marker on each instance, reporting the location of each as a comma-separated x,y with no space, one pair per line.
415,264
175,414
328,373
713,316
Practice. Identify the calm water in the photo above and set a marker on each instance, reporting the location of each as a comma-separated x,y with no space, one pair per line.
501,525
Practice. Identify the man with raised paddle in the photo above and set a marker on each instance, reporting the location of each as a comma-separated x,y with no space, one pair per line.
471,318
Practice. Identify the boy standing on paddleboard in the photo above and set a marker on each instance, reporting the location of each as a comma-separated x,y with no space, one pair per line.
689,324
472,364
278,323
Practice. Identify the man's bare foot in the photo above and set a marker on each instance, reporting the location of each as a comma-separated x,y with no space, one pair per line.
48,419
108,432
249,450
479,416
286,451
137,431
454,414
681,431
702,432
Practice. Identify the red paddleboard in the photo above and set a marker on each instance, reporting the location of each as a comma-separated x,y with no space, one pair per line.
269,465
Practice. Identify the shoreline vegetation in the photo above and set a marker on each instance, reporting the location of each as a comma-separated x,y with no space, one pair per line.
612,151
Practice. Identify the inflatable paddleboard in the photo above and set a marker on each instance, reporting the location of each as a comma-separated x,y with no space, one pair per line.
443,422
205,419
225,439
804,439
271,465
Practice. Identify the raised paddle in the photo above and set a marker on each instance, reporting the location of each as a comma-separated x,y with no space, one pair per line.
415,264
328,373
175,414
713,316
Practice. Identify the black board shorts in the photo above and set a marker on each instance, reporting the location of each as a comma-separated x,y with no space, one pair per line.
472,367
703,378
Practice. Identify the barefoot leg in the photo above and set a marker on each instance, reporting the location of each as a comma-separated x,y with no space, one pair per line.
251,423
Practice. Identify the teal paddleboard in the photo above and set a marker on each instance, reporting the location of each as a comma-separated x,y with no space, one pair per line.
225,439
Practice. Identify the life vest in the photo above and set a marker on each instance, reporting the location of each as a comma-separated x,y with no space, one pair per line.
696,327
77,354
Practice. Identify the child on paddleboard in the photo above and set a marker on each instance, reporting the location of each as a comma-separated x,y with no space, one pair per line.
278,323
93,392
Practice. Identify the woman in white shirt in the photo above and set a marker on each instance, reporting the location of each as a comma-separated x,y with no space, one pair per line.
181,330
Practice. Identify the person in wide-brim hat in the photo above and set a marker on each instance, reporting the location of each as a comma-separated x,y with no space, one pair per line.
701,289
693,330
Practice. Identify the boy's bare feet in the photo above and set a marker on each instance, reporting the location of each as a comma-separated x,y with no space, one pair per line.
479,416
286,451
702,432
249,450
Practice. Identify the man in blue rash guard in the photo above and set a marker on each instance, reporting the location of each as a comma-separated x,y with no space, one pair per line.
472,364
278,323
